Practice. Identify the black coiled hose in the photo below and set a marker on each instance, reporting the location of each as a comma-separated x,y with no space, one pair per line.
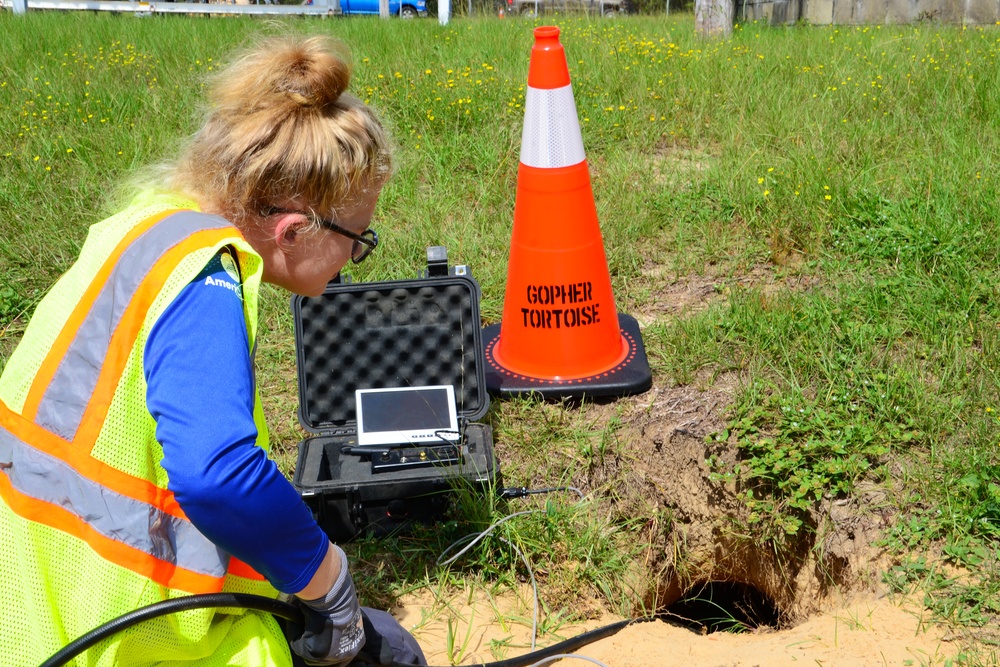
116,625
292,613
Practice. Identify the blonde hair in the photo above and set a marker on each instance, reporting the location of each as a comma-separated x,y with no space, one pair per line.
282,127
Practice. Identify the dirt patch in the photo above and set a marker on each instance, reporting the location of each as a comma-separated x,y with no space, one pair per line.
478,628
710,540
678,296
682,296
673,437
677,168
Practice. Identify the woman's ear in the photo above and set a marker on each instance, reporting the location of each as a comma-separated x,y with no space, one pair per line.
288,230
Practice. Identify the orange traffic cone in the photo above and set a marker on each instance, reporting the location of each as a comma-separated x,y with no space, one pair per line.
560,334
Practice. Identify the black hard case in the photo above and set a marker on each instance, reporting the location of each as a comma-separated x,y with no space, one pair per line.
424,331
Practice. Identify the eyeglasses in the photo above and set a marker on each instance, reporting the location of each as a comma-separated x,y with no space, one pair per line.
364,242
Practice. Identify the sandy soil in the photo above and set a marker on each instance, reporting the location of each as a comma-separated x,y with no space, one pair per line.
862,632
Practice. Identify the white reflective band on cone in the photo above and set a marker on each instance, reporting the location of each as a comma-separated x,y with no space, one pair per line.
551,136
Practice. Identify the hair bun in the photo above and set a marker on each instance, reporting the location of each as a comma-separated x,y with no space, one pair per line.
310,73
283,72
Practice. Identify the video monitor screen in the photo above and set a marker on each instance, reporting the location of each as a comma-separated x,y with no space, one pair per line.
407,415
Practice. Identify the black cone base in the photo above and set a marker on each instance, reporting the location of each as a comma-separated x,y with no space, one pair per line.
631,376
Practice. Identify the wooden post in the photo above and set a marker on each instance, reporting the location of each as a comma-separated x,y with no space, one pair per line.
383,8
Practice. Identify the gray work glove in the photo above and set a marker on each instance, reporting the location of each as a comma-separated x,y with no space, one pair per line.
387,642
331,631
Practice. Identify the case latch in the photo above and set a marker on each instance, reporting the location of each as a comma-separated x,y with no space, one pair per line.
437,264
437,261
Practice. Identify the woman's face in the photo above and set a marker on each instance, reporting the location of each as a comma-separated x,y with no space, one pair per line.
309,260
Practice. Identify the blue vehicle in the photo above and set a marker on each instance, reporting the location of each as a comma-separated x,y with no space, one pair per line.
407,9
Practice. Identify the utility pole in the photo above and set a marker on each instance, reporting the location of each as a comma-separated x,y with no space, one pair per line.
713,18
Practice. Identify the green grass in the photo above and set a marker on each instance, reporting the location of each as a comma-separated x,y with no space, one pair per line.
860,162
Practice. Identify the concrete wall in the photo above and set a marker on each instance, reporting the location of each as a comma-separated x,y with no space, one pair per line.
847,12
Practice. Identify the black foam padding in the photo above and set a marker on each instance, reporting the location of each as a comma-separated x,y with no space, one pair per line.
631,376
387,334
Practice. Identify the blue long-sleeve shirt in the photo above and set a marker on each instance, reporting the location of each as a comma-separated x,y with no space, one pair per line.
200,382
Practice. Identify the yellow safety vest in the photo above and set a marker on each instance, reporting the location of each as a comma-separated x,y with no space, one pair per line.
88,528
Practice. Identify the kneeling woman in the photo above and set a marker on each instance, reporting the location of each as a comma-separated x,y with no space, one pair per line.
133,452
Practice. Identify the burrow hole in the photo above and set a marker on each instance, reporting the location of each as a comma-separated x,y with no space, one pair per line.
726,606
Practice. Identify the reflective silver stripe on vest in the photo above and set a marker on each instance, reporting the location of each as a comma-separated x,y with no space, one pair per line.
551,135
65,399
117,517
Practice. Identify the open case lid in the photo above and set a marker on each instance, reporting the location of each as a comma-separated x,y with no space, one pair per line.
405,333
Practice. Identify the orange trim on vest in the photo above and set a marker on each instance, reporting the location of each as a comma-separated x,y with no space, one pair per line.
238,568
120,347
53,516
65,338
87,466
